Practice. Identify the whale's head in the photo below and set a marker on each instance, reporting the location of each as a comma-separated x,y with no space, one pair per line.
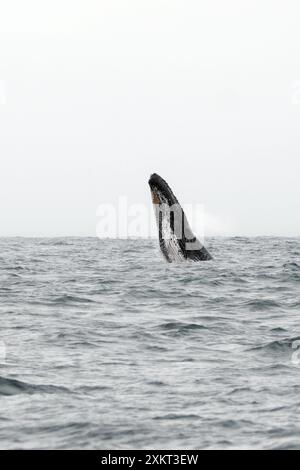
161,191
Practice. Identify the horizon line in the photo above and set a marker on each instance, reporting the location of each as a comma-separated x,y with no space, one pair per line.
147,238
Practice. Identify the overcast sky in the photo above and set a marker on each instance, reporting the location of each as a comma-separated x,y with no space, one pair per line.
97,95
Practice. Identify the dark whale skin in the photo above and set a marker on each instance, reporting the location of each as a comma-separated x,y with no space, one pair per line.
159,187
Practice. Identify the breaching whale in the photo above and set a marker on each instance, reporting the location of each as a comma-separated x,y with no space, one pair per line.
176,239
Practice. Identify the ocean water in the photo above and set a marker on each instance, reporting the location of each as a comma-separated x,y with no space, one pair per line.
105,345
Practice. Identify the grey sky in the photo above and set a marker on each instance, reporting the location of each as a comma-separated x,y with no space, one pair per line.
96,95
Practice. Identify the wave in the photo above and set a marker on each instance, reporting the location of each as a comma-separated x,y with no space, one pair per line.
278,329
10,387
66,299
277,345
14,268
172,416
293,271
180,328
262,304
292,265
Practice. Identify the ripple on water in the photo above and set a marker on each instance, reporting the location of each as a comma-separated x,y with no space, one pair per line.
149,355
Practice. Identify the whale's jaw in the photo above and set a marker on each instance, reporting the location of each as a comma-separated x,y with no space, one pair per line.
176,240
